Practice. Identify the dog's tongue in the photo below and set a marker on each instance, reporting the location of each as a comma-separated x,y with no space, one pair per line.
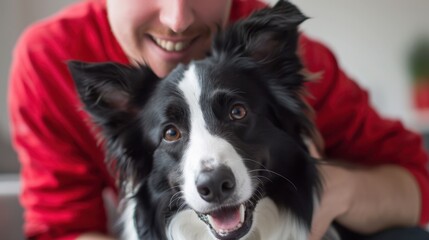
226,219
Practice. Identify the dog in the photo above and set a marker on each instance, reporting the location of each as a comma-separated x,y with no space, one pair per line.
217,149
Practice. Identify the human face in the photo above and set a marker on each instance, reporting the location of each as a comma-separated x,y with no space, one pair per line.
164,33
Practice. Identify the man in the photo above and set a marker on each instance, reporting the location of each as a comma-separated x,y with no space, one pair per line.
63,173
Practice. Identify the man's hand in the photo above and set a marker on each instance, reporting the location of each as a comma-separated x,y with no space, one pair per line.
335,199
366,200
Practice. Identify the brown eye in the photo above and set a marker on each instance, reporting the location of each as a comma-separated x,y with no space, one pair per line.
172,134
237,112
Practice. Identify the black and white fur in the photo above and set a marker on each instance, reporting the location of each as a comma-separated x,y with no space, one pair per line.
218,138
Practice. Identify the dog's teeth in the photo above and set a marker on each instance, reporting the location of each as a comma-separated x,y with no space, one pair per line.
226,231
242,213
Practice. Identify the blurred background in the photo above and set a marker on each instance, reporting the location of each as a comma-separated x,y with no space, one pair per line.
381,44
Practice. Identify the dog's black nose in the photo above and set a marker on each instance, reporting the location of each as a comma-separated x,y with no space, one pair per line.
216,185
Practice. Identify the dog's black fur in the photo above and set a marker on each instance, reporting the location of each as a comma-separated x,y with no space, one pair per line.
256,61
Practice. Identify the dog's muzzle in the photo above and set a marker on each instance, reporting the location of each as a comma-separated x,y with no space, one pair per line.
228,220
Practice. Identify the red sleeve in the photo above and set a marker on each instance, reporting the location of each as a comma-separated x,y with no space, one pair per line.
243,8
62,167
353,130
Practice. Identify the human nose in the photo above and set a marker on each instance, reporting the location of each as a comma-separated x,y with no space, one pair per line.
177,15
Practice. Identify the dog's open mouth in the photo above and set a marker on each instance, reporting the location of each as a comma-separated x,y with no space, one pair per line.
232,222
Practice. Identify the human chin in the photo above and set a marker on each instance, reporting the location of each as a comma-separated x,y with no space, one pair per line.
161,69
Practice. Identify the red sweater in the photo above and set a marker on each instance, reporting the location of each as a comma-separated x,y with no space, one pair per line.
63,171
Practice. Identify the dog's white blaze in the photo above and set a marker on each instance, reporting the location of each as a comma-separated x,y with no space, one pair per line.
203,147
129,231
269,224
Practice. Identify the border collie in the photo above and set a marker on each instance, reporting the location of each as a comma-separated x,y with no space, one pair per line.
215,150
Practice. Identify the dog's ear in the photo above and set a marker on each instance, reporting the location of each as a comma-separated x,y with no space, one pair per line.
112,93
269,36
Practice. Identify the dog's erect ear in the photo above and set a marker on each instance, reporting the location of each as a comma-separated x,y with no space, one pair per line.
111,92
114,94
269,36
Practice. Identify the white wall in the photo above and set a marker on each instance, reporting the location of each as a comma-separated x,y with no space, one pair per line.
9,23
371,40
369,37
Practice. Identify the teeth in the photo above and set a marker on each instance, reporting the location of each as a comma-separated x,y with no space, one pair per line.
171,46
242,212
225,232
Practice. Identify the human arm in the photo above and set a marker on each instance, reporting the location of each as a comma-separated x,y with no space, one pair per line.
366,200
61,164
386,155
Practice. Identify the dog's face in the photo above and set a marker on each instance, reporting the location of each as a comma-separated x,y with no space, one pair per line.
216,135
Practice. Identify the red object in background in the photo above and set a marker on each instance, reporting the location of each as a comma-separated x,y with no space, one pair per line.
421,95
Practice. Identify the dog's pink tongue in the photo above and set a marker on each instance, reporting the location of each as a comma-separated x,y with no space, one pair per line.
226,219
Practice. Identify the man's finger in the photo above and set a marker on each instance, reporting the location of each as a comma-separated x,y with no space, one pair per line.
320,224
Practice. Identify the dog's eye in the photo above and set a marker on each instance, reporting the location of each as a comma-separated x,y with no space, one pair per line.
172,134
237,112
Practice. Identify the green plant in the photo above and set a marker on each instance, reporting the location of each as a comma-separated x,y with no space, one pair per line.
419,61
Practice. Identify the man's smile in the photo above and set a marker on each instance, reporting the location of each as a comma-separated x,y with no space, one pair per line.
172,46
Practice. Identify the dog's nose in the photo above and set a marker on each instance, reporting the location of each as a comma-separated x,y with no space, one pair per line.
216,185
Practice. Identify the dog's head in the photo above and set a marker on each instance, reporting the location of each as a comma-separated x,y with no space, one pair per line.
216,135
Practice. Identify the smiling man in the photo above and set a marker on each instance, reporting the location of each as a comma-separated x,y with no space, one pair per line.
63,170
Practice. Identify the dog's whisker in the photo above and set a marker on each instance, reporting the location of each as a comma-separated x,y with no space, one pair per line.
257,179
254,161
174,198
181,207
260,176
259,193
277,174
